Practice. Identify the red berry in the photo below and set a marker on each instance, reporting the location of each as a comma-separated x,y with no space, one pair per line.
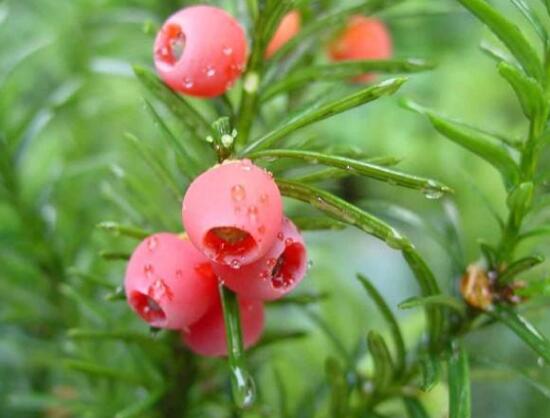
233,212
363,39
275,274
288,29
168,282
207,336
200,51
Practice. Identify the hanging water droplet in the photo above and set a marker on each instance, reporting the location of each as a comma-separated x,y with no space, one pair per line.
243,387
227,51
432,190
238,193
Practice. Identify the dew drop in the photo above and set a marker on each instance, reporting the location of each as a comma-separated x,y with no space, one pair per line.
210,71
288,241
188,83
227,51
432,191
152,243
148,270
243,387
236,264
253,213
238,193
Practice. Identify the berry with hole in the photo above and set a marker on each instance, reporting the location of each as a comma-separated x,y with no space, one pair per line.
233,212
363,38
287,29
275,274
200,51
168,283
207,336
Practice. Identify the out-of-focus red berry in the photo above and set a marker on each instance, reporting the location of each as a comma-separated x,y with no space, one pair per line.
168,282
363,38
233,212
207,336
200,51
275,274
288,29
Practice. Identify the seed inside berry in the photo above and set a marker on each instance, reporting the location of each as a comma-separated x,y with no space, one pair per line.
229,241
148,308
286,266
173,44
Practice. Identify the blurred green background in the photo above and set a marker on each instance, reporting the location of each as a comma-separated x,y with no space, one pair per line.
68,95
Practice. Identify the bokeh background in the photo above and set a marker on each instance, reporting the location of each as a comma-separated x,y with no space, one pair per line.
68,96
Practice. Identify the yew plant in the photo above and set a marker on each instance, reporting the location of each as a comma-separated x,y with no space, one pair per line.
163,363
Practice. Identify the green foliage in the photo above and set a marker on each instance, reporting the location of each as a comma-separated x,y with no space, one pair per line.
70,345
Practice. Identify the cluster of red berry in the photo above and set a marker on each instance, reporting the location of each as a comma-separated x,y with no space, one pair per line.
233,214
201,50
235,233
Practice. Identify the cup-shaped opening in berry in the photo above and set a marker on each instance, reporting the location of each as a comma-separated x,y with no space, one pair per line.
288,266
148,309
226,242
170,44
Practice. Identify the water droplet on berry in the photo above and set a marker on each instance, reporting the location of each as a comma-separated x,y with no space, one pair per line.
288,241
280,236
188,83
227,51
253,213
152,243
238,193
210,71
148,270
236,264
